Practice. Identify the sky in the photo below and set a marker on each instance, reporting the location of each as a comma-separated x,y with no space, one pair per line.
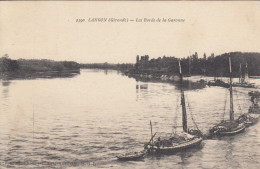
48,30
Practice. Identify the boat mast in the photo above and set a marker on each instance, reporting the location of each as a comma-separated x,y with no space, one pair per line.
231,94
189,67
184,114
240,74
246,74
151,131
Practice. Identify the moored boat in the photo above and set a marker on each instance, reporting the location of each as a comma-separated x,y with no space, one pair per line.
244,80
218,82
177,142
231,126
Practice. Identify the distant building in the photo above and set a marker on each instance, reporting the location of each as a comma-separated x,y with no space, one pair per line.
137,62
143,62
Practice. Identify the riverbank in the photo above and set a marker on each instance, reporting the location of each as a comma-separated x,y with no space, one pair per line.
188,83
35,68
34,75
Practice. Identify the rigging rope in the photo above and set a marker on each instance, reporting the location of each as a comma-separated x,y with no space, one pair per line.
192,114
176,113
238,102
225,105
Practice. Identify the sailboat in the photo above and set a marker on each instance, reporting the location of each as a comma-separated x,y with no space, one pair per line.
231,126
243,80
178,142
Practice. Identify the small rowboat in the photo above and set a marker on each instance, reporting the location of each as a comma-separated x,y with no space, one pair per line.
132,156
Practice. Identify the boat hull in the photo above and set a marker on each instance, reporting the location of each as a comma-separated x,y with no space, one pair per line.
218,83
245,85
234,132
181,147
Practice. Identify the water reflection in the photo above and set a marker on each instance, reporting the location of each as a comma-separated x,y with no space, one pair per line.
110,71
6,83
142,86
184,158
230,147
188,84
36,75
105,71
5,90
141,91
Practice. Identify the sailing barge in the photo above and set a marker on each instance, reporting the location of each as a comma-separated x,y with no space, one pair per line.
187,139
178,142
243,80
231,126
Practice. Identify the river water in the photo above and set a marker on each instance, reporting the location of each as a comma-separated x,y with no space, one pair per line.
86,120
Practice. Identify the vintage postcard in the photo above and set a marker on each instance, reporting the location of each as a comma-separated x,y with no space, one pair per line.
129,84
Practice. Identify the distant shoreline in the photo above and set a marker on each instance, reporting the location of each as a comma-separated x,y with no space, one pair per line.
216,66
40,74
28,69
163,68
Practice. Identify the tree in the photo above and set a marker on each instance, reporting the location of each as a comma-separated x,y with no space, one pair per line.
7,64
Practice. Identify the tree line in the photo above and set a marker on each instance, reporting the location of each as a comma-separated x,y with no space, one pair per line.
192,65
123,66
209,66
34,65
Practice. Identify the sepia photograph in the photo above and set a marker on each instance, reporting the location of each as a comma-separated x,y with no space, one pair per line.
129,84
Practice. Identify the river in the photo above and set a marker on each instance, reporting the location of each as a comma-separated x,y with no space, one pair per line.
86,120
